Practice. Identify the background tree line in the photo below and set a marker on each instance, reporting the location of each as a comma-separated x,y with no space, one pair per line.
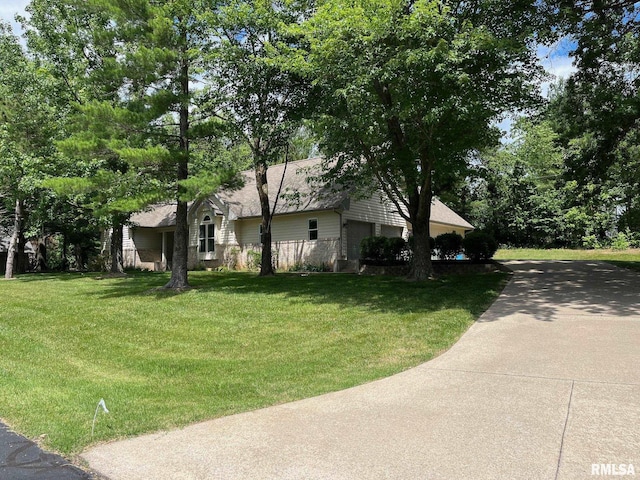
568,177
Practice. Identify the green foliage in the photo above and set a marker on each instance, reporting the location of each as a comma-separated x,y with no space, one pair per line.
479,246
31,119
620,242
520,195
253,86
590,242
448,245
380,250
372,248
310,267
596,113
254,259
407,94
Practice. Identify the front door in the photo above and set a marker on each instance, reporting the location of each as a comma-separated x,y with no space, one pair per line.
167,249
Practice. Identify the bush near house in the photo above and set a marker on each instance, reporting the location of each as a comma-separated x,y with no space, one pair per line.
432,243
380,250
479,246
448,245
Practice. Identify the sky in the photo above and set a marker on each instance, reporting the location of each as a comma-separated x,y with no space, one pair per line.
8,10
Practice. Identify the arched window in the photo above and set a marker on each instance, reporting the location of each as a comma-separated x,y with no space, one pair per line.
207,235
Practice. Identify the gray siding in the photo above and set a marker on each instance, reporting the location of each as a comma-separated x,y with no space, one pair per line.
374,210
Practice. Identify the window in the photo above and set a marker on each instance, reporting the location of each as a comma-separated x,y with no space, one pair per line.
313,229
207,237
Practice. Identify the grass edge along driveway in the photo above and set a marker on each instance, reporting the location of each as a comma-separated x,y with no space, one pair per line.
233,343
629,258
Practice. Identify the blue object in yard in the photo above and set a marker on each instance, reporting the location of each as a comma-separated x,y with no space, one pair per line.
460,257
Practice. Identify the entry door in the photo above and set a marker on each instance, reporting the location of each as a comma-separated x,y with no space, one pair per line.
356,231
166,240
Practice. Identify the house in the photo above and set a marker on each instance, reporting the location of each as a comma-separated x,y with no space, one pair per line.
29,253
311,225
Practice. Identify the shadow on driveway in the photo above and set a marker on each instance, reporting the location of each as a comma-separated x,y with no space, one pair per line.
543,289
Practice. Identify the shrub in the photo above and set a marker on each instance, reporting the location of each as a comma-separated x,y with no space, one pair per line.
479,246
254,259
620,242
372,248
383,251
448,245
309,267
99,263
590,242
395,249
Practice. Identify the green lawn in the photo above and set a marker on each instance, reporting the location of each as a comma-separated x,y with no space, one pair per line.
622,258
235,342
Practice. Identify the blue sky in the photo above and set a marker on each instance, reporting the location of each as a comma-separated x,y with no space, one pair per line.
8,10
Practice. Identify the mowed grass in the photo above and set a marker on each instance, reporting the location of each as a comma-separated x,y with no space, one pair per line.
235,342
623,258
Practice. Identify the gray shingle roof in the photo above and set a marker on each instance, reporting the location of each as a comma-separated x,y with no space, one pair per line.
297,195
5,241
158,216
440,213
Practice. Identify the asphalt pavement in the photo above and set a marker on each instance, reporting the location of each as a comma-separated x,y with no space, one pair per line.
22,459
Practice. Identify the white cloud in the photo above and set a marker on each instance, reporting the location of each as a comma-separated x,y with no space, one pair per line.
8,11
556,61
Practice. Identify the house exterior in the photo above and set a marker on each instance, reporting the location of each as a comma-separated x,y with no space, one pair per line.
29,254
311,225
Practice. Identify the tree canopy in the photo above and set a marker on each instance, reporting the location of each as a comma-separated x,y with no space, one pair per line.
411,89
165,100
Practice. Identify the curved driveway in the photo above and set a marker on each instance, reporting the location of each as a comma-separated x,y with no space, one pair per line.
546,385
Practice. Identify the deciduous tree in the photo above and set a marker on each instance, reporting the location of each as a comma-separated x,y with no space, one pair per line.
411,88
28,126
257,90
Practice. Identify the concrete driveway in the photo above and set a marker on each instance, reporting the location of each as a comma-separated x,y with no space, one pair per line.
546,385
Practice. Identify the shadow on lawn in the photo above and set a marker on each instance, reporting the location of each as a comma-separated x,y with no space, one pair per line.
540,289
381,294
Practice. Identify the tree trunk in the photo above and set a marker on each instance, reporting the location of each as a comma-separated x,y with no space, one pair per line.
266,263
21,261
79,255
420,214
13,243
421,267
41,255
117,230
179,277
64,264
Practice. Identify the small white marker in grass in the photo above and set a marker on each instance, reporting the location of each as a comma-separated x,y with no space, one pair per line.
104,407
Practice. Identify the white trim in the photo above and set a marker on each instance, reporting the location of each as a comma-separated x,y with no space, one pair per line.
309,229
